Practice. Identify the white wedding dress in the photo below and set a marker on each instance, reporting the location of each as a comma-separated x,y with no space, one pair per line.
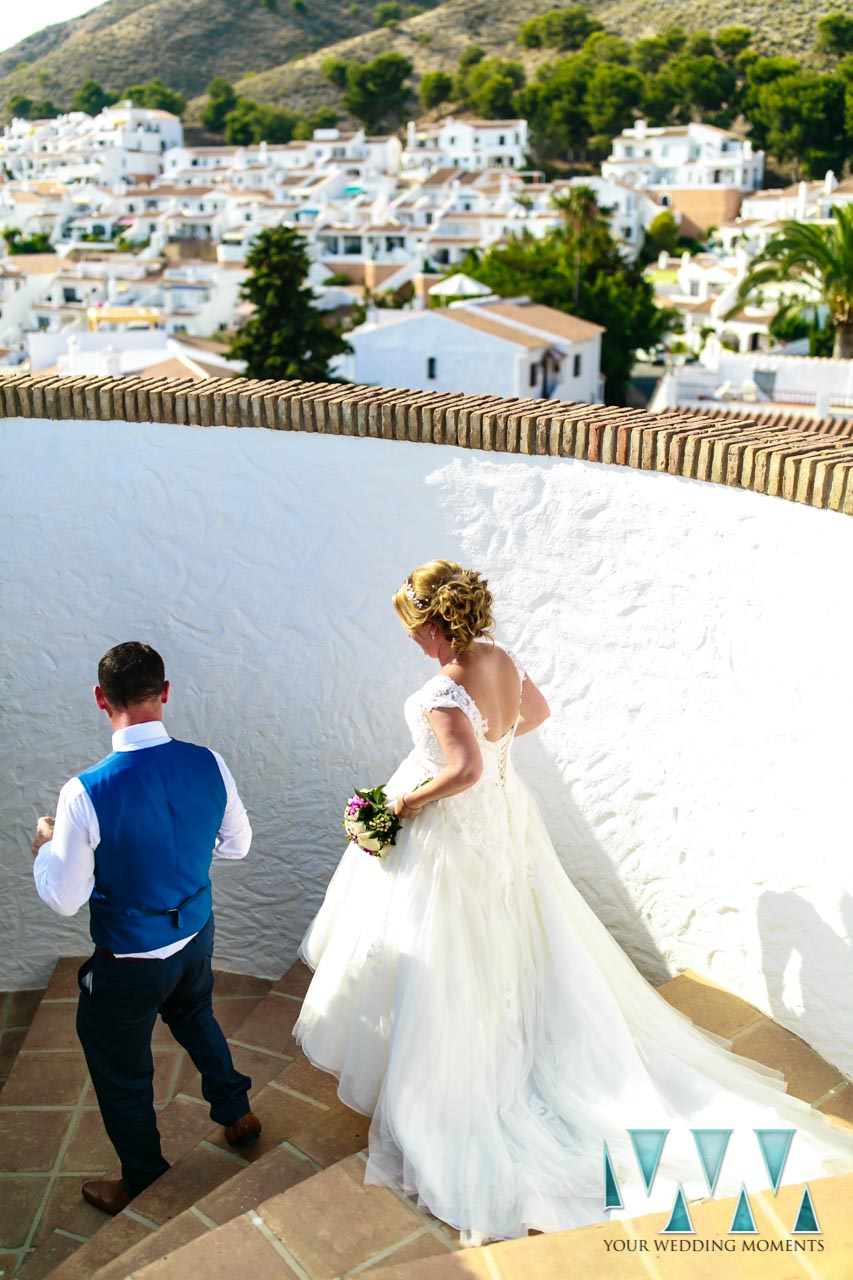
470,1001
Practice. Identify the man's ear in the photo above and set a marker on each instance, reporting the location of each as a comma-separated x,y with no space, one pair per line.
100,699
164,696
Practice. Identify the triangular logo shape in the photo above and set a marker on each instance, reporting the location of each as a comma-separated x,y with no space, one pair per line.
711,1145
743,1222
679,1219
806,1217
648,1145
775,1145
612,1195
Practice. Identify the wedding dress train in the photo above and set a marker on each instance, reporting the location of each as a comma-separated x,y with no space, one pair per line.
470,1001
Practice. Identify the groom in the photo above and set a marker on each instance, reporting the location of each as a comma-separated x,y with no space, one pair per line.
133,837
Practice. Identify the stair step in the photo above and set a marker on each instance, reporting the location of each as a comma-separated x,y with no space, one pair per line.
209,1200
17,1009
276,1171
584,1252
333,1226
324,1226
51,1134
305,1128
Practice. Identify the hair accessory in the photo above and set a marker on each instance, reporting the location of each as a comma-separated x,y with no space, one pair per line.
410,592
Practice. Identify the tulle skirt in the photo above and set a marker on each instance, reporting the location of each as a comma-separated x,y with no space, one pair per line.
470,1001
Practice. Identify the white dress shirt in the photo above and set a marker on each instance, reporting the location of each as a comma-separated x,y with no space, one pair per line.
64,868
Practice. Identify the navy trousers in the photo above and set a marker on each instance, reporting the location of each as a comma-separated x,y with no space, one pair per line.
116,1011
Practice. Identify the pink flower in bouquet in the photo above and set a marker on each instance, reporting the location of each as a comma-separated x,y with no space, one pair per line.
355,805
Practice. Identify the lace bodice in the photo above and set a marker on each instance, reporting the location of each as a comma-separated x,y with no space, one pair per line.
441,691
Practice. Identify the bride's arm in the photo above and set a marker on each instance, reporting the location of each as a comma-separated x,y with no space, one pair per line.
464,761
533,709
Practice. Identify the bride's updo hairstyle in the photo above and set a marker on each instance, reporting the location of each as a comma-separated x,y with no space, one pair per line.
458,600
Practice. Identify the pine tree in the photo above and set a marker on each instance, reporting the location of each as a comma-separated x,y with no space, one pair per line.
286,335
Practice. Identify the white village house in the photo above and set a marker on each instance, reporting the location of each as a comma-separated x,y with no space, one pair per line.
507,347
470,144
123,142
697,170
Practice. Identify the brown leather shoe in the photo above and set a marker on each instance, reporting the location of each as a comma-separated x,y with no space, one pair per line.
244,1131
109,1196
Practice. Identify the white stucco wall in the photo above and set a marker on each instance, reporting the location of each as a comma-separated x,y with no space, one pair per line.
693,642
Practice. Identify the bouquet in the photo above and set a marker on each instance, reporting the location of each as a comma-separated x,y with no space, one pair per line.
369,822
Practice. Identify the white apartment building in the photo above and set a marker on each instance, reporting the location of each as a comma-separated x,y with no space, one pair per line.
122,142
696,169
468,144
24,281
684,156
504,347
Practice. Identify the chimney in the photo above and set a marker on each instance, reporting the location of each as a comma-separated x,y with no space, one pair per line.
802,200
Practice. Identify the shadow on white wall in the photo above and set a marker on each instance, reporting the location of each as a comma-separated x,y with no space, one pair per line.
692,774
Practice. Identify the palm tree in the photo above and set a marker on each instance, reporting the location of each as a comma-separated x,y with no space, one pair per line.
821,259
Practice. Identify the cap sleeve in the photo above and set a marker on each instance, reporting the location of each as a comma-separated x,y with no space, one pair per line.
441,691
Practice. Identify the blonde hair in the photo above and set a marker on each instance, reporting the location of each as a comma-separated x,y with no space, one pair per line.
457,599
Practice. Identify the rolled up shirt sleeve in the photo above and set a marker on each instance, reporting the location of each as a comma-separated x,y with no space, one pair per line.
64,868
235,833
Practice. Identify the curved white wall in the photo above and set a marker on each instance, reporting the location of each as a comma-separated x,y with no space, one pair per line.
693,641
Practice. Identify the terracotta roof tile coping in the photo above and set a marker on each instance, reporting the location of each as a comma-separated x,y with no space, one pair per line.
793,458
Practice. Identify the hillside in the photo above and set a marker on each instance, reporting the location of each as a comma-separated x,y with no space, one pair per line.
435,39
184,42
275,56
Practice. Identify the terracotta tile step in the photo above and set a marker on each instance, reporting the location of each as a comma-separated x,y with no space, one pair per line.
322,1227
618,1250
753,1035
243,1188
300,1107
16,1013
50,1076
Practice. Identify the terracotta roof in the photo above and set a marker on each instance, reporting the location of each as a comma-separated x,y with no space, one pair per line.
40,264
549,321
203,344
440,177
473,318
487,124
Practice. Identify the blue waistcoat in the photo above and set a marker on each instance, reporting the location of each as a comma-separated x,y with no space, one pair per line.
159,811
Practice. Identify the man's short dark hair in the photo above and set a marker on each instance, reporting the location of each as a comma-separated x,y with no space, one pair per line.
131,672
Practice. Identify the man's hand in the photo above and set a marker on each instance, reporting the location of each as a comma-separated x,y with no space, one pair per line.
44,832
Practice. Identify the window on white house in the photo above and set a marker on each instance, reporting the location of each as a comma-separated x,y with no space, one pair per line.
432,364
576,367
534,375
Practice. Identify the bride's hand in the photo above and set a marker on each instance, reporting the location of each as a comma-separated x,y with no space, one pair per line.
403,810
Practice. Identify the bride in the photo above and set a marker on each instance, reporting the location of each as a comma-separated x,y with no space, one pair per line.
470,1001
